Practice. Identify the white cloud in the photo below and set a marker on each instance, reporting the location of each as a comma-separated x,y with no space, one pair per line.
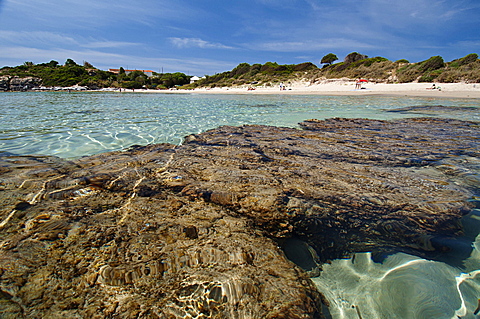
47,39
109,44
196,42
309,45
88,14
416,15
36,37
16,55
283,29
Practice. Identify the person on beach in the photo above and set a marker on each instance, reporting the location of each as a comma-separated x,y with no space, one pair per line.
434,87
358,85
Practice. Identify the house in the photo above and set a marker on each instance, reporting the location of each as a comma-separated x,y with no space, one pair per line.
148,73
194,79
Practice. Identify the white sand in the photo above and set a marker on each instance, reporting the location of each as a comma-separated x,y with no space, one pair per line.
343,87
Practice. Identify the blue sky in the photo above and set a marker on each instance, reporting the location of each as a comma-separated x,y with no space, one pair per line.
212,36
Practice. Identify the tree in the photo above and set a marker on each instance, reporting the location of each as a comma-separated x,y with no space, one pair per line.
132,85
88,65
354,57
52,63
329,59
140,79
132,76
70,62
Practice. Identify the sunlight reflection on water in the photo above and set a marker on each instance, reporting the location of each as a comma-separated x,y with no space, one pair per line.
404,286
71,125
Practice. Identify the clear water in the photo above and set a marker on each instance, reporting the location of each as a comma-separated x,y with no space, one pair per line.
71,125
404,286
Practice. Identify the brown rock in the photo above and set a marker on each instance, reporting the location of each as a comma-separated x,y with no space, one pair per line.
166,231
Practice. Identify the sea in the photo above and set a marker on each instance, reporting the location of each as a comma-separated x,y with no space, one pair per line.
76,124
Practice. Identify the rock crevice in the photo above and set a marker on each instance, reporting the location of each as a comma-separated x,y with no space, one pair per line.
203,230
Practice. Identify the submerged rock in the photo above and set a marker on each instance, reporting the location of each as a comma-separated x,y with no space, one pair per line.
434,109
194,231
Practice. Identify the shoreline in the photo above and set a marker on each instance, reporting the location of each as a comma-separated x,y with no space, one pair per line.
334,87
347,88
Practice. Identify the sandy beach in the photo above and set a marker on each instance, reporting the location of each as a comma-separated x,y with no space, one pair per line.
342,87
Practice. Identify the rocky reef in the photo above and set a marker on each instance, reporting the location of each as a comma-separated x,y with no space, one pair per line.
203,230
15,83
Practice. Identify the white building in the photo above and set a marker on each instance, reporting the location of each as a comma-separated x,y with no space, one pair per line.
194,79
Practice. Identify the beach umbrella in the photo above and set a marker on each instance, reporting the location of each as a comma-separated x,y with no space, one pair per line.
362,80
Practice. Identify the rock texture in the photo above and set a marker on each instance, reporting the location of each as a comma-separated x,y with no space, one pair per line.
15,83
195,231
4,83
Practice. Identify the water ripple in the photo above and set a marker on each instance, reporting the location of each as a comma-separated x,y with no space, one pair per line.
77,124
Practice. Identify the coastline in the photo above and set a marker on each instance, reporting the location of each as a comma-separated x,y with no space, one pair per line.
333,87
338,87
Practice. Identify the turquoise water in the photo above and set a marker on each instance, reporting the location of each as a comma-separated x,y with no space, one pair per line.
75,124
404,286
70,125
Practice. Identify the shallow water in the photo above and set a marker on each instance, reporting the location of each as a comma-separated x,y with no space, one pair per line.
77,124
71,125
403,286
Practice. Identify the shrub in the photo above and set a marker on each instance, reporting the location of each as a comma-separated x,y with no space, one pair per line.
304,67
269,67
449,76
353,57
370,61
408,73
240,69
472,57
426,78
131,85
434,63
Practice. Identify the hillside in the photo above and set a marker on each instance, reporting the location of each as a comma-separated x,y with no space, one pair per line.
52,74
354,66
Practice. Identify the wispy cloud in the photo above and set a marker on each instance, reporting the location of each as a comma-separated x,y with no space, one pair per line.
310,45
112,31
44,38
198,43
105,60
92,13
109,44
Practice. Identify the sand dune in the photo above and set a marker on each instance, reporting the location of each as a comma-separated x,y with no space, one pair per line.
342,87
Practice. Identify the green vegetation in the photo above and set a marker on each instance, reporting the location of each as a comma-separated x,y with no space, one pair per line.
372,68
256,74
70,74
329,59
382,70
354,66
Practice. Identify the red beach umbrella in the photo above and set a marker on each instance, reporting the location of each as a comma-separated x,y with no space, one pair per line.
362,80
